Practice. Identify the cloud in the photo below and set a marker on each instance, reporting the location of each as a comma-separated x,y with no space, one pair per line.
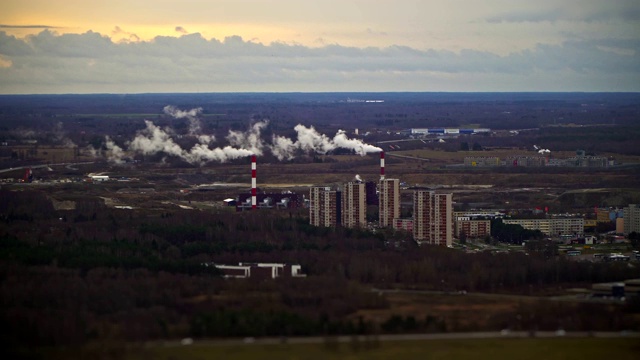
91,62
181,30
6,26
124,36
573,11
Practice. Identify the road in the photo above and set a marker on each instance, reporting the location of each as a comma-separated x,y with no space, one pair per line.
407,157
504,334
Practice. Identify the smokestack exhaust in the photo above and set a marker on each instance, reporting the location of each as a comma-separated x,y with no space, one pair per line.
253,183
381,165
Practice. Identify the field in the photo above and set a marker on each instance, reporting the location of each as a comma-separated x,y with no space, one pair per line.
513,348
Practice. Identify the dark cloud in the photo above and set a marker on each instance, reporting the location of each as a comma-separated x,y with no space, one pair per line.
181,30
91,62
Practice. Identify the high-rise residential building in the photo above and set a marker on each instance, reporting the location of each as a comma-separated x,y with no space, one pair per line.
389,201
354,205
324,206
631,219
432,218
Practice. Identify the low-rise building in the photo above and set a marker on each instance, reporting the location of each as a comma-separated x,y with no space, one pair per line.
472,228
482,161
403,224
559,226
259,270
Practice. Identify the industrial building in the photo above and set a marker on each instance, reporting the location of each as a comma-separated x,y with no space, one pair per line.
259,270
447,131
285,200
579,160
432,218
482,161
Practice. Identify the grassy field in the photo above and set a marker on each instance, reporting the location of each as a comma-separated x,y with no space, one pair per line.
522,349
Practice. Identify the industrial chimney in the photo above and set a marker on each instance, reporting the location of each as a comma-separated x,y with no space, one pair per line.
381,165
253,182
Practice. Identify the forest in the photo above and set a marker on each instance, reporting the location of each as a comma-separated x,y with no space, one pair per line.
97,273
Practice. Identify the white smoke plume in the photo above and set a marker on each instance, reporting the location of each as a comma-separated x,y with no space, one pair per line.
282,147
342,141
358,178
249,140
91,151
155,140
195,126
309,140
544,151
115,154
201,153
59,136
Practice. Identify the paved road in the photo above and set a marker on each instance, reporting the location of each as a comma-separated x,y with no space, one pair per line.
408,157
504,334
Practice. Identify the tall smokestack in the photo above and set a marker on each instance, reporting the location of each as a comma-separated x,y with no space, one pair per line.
381,165
253,182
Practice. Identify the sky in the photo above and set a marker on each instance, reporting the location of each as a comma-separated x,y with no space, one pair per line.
148,46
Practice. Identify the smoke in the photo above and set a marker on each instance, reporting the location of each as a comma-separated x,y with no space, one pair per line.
156,140
540,150
249,140
282,148
153,140
358,178
195,126
59,136
115,154
544,151
309,140
342,141
179,114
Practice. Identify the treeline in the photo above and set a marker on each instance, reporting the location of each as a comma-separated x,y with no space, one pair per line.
181,240
512,233
53,306
124,274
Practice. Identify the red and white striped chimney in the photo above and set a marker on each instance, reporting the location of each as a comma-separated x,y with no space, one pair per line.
381,165
253,182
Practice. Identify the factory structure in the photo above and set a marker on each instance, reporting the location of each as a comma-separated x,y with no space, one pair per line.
580,160
432,221
445,131
254,200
